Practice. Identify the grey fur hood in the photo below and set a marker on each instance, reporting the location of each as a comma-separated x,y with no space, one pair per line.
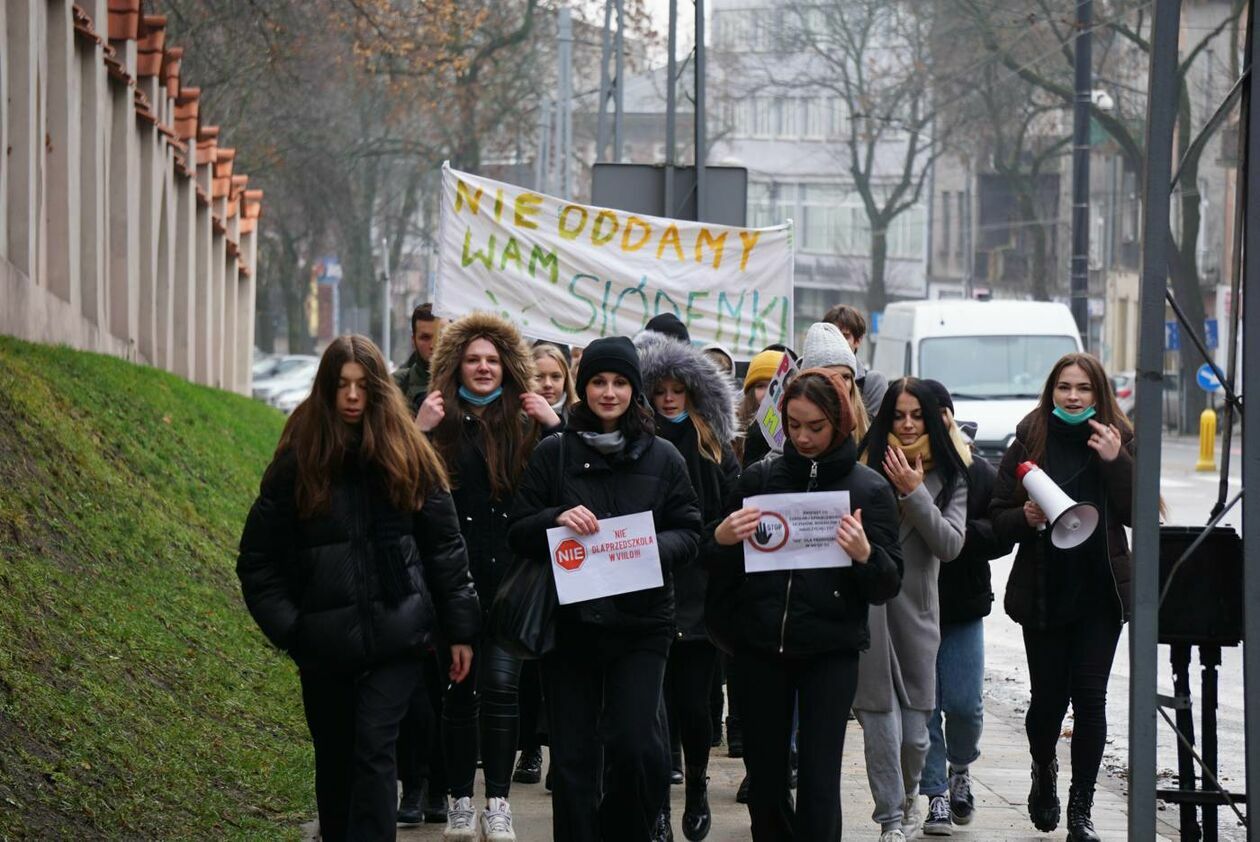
712,395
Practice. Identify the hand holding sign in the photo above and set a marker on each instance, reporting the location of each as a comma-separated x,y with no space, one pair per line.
852,538
580,519
738,526
620,556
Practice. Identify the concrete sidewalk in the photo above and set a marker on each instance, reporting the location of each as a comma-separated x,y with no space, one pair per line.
1000,779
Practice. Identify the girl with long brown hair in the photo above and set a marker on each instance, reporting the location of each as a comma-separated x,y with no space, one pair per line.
1071,603
485,421
350,560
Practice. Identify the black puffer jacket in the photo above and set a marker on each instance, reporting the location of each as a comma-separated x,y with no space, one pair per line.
649,475
966,583
801,613
315,585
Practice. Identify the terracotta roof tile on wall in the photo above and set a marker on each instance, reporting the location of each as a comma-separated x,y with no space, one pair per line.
124,20
234,195
223,172
83,26
149,48
144,108
187,112
171,60
251,210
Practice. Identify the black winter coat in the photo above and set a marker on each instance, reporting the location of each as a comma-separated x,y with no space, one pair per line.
482,519
966,583
1026,593
649,475
713,485
315,585
801,613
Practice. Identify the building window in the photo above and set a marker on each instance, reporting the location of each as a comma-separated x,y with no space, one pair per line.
788,110
815,118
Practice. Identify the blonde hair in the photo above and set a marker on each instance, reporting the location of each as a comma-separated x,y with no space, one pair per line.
551,352
710,447
956,437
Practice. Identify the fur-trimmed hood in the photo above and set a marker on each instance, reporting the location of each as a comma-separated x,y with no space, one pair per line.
518,361
712,394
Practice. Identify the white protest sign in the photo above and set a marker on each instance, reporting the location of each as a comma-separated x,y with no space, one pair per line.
797,532
572,273
770,415
620,558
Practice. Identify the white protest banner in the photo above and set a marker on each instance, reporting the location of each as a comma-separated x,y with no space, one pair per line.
572,273
770,415
796,532
621,557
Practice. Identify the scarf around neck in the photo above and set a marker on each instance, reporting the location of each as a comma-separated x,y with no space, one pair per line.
608,444
921,447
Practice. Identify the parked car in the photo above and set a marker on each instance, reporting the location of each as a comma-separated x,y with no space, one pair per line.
295,372
1125,385
288,401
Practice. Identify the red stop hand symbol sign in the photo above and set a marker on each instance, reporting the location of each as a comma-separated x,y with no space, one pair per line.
570,554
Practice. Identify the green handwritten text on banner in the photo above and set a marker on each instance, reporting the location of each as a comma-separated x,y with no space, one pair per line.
573,273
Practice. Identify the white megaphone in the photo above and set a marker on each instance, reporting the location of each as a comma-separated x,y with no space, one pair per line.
1071,523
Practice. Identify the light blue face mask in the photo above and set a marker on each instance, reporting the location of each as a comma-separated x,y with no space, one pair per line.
1074,418
680,417
479,400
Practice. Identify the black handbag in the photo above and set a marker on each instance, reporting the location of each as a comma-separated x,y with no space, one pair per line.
523,615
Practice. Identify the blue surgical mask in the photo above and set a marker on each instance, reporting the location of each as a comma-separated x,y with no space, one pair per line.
1074,418
680,417
477,400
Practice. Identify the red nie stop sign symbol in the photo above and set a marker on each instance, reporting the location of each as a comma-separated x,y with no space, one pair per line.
570,554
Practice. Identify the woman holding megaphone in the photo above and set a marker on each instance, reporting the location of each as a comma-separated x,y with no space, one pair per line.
1071,600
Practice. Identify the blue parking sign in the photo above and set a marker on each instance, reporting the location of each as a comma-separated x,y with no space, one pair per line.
876,318
1172,336
1211,334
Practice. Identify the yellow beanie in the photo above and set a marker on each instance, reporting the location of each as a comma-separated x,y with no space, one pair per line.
762,368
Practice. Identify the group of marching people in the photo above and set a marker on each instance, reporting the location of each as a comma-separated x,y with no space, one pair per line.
396,506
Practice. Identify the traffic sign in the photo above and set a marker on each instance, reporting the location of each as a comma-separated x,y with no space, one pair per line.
1206,378
1172,336
1211,334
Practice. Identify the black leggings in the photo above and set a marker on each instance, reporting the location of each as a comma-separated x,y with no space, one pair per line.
488,696
769,688
688,682
1071,663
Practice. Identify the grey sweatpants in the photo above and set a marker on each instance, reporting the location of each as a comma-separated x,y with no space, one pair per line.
896,744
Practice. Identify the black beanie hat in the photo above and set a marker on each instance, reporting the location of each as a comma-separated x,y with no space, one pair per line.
669,324
941,394
612,353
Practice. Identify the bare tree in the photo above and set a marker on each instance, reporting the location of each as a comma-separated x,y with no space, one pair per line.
1037,46
875,56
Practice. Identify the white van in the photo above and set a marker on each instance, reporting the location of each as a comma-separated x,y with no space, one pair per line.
993,356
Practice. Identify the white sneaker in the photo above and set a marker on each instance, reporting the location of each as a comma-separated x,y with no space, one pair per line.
894,835
461,822
496,822
911,814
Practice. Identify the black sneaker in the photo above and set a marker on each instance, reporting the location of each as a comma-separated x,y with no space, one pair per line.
435,805
529,767
962,804
410,811
937,822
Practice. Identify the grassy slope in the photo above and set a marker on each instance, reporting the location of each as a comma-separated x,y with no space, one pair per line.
137,699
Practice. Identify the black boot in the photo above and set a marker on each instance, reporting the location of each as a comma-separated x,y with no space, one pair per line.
529,767
676,767
697,818
1080,827
741,794
1043,798
663,831
410,811
734,737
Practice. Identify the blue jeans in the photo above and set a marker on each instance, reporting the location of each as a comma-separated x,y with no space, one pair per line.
959,690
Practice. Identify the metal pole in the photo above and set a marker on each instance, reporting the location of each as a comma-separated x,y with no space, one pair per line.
542,167
671,109
564,106
385,310
601,132
1144,630
1080,167
1251,448
619,98
702,197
